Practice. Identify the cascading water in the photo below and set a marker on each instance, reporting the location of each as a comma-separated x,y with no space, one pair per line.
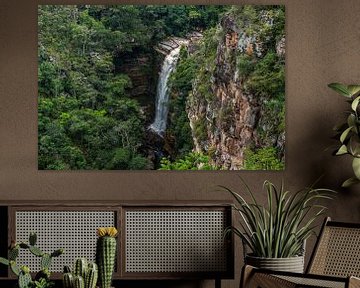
162,93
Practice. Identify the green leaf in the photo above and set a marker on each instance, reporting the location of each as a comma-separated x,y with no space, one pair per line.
340,88
4,261
354,145
342,150
353,89
355,103
356,167
351,120
345,134
349,182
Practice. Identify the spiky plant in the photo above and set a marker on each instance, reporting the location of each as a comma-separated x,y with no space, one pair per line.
84,273
106,254
279,229
42,278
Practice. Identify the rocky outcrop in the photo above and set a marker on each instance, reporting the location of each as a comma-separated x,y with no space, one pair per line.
226,118
138,68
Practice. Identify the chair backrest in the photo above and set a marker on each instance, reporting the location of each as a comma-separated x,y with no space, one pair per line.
337,251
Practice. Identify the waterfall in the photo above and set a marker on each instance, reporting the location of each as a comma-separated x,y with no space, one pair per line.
162,93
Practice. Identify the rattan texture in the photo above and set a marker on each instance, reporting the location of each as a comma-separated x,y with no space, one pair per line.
74,231
268,281
338,253
175,241
300,282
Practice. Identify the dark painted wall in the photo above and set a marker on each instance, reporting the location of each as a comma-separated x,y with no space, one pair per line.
323,46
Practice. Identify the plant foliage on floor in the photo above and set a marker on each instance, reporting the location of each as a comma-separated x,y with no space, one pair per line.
279,229
349,131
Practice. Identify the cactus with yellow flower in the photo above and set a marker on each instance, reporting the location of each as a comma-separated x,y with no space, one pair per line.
106,254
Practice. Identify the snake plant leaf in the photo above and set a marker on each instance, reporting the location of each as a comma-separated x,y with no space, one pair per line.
341,89
355,103
349,182
279,228
356,167
342,150
345,134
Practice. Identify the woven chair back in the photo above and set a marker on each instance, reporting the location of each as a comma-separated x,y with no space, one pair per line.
337,252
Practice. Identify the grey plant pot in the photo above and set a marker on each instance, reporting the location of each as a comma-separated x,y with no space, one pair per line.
291,264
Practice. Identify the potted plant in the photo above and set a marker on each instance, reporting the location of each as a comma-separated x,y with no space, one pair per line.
42,278
349,132
276,233
84,274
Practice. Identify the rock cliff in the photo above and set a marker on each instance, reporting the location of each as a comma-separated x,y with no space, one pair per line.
233,107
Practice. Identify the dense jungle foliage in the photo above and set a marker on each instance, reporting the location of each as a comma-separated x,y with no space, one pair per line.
87,117
87,120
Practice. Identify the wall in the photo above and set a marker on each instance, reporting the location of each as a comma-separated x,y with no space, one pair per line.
323,40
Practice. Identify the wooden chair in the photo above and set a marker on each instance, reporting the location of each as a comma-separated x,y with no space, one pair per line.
335,262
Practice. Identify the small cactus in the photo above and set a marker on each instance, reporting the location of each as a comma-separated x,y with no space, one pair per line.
68,280
32,239
80,268
23,273
106,254
36,251
91,276
14,268
88,273
13,253
45,261
79,282
24,278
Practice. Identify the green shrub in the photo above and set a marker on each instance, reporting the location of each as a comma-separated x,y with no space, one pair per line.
191,161
262,159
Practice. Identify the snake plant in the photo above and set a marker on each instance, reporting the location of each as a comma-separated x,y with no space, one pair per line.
349,131
280,228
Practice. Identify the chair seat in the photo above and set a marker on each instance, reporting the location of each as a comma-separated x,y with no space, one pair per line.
269,279
314,282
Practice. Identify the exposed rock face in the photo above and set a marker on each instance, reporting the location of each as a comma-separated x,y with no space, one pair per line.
139,70
230,116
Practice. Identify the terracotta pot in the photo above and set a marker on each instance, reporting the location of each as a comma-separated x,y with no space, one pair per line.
291,264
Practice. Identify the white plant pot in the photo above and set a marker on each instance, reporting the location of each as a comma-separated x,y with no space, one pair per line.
291,264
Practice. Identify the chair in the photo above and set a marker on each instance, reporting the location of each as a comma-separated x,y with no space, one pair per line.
335,262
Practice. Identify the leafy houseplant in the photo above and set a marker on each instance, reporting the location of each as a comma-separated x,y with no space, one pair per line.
42,278
349,132
279,229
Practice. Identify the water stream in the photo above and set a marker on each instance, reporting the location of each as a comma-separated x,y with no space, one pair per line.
162,93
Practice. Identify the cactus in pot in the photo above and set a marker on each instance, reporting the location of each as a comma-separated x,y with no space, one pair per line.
106,254
85,275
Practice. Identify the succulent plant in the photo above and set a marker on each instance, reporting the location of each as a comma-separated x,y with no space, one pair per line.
85,275
23,272
106,254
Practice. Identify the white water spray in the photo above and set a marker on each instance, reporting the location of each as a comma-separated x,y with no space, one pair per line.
162,93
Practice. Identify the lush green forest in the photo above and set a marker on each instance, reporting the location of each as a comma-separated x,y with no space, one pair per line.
86,118
88,115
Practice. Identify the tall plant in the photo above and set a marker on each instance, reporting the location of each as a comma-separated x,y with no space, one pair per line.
279,229
349,131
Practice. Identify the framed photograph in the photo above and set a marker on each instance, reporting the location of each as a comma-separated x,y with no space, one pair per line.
161,87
